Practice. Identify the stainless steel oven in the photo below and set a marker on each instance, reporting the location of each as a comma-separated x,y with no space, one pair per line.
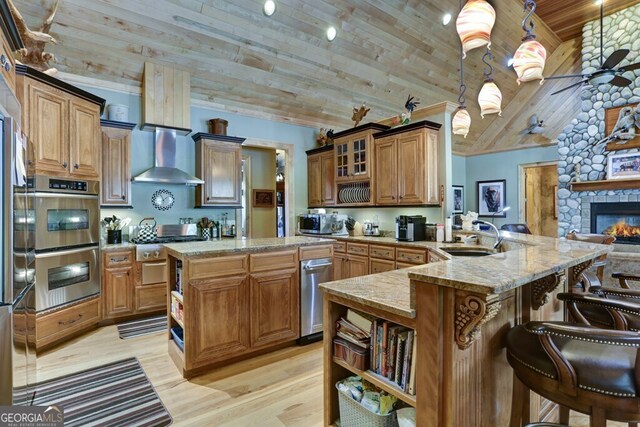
67,275
65,213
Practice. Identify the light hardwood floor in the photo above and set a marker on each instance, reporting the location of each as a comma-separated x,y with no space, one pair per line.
280,389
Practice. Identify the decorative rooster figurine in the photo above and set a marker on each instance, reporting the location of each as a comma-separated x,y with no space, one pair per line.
33,53
405,117
359,113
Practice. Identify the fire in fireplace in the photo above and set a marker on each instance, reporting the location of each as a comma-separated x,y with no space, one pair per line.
621,220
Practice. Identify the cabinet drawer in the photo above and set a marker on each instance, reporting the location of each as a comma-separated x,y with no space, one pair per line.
411,256
67,320
340,247
358,248
274,261
380,266
382,252
151,297
118,258
435,257
207,268
316,252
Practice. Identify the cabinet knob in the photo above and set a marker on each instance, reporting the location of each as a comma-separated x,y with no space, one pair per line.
76,166
64,165
393,197
124,198
30,162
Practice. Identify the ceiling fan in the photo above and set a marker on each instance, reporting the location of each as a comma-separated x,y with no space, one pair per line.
607,73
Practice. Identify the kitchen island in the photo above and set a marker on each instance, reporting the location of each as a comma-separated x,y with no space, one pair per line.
233,299
460,310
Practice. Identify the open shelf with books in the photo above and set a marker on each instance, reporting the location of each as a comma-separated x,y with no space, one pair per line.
336,312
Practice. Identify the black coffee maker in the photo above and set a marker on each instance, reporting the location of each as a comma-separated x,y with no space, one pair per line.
411,228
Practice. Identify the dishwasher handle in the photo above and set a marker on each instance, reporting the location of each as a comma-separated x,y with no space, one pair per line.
316,267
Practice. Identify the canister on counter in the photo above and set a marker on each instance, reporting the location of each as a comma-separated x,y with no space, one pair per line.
430,232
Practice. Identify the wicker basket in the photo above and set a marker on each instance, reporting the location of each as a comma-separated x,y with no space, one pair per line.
353,414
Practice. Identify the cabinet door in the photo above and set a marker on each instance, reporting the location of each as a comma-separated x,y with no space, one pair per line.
339,267
217,320
151,297
386,172
381,265
222,173
84,139
275,307
314,181
328,179
48,129
116,170
411,168
432,173
118,292
341,156
357,266
359,152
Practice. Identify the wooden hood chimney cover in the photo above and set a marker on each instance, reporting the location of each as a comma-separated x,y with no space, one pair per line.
166,99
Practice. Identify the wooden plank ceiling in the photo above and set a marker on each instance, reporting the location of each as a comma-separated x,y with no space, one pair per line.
567,17
283,68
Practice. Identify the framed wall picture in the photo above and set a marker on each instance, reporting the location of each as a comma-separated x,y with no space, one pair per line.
264,198
458,199
623,166
492,198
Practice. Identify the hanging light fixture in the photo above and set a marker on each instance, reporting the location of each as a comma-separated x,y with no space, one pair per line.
474,25
490,97
461,121
529,59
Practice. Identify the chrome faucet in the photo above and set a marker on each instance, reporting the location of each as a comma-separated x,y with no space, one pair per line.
499,238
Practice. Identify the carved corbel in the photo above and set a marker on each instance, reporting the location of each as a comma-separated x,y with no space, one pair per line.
541,288
577,270
471,313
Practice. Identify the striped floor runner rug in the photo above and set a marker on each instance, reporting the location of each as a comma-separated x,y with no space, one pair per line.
136,328
117,394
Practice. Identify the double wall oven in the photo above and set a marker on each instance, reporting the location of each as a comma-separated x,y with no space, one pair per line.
62,224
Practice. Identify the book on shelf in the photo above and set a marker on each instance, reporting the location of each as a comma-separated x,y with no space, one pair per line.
361,320
412,366
352,333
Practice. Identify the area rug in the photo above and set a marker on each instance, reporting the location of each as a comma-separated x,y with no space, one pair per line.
117,394
136,328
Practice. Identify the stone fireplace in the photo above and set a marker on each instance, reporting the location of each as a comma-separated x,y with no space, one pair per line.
618,219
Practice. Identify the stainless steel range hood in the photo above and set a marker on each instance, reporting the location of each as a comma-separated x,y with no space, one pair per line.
165,171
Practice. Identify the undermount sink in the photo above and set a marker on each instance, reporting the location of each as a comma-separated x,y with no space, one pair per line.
468,251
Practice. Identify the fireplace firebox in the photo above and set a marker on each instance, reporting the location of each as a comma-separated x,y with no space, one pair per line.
621,219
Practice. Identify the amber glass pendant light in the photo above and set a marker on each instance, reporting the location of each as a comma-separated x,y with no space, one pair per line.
474,25
529,59
490,97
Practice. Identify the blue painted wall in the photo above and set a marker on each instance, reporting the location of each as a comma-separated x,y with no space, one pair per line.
503,166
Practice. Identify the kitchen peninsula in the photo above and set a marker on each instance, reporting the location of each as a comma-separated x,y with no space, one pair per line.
461,310
233,299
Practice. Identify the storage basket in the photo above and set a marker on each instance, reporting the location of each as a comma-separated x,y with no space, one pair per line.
147,232
353,414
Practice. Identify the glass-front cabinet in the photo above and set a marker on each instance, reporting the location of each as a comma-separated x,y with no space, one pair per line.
353,152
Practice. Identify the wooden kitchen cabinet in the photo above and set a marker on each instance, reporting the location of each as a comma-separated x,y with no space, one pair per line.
321,177
340,266
118,284
53,327
116,163
357,266
219,165
62,124
353,149
406,169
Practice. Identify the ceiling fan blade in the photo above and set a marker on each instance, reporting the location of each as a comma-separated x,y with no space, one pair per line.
629,67
615,58
620,81
566,76
569,87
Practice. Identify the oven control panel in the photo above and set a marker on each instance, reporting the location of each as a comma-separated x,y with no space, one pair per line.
64,184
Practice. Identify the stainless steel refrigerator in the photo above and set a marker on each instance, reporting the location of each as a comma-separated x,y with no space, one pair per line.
17,293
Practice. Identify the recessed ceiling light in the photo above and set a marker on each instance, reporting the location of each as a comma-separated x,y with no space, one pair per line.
598,2
269,7
446,19
510,62
331,33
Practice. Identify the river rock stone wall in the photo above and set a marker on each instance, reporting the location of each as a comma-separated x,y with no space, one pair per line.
576,144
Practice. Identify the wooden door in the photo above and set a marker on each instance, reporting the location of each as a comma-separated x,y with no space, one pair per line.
217,319
314,181
48,129
222,173
357,266
411,168
541,183
432,169
328,179
339,267
275,307
118,292
116,170
386,171
84,139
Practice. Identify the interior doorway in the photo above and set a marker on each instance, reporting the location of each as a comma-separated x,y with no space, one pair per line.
539,199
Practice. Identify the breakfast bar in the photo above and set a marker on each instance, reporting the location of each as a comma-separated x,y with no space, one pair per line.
460,310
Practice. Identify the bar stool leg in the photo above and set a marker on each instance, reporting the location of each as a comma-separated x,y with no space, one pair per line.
518,396
598,417
564,414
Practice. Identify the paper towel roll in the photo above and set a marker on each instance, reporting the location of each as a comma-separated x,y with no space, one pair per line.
448,229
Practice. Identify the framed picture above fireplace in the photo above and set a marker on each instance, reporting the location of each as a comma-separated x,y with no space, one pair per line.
623,166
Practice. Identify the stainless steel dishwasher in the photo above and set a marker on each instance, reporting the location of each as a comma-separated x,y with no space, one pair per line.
312,273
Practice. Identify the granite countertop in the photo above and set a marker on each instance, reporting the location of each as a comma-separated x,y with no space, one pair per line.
494,274
117,246
230,246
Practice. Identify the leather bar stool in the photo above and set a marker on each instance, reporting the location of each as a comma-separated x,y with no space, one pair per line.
516,228
602,239
590,370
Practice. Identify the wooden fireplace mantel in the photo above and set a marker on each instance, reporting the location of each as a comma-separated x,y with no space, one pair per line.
607,184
